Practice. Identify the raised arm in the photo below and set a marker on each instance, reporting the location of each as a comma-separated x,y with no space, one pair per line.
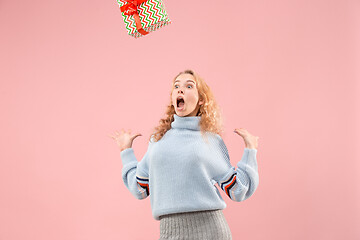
241,182
135,174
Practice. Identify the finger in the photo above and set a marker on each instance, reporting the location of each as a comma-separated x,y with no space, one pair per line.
113,137
135,136
238,131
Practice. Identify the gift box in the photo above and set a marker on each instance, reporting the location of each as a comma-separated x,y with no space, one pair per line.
143,16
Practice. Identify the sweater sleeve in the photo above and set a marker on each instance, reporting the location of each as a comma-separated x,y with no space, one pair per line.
136,174
241,182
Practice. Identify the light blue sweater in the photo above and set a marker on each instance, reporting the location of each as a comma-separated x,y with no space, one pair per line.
180,171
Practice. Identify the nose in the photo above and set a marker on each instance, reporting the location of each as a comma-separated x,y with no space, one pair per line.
180,91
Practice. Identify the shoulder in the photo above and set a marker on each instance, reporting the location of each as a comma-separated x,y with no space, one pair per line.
152,138
217,145
215,140
214,137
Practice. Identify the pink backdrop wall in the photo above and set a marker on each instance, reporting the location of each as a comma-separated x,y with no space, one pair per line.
70,75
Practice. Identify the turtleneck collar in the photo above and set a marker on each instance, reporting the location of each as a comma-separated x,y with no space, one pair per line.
191,123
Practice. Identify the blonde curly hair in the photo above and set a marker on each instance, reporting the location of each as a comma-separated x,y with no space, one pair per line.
209,111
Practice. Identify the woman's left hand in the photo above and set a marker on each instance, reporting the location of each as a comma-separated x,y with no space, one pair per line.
250,140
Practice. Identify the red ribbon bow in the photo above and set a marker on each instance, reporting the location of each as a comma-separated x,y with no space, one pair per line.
131,9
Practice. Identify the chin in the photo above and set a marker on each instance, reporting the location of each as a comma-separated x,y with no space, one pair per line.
180,114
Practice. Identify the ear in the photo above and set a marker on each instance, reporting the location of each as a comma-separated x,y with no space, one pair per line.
201,102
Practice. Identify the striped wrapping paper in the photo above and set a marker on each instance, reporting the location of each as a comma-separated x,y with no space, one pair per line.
152,14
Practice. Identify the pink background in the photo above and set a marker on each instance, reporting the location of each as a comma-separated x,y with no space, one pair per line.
70,75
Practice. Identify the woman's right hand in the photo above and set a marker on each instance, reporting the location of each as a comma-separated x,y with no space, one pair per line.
250,140
124,139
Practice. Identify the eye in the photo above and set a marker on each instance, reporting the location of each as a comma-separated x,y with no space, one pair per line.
189,86
176,86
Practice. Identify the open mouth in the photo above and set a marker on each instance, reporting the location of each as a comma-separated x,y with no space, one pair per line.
180,103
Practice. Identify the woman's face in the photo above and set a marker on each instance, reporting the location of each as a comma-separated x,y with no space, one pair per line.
185,96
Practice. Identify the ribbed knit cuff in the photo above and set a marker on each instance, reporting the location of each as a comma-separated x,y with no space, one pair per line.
127,156
248,158
254,150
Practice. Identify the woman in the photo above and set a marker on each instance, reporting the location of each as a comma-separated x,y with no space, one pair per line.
186,157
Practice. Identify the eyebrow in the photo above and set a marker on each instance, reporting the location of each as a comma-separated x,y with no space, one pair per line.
186,81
